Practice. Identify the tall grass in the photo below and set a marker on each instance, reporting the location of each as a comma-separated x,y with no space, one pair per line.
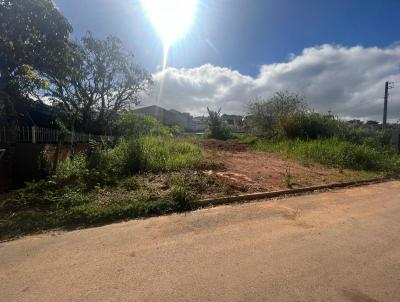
166,154
335,152
71,196
134,125
154,154
129,157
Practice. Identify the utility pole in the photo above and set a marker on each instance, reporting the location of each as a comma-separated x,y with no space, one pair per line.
385,103
388,85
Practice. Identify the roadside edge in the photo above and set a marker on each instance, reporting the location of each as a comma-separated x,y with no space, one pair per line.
272,194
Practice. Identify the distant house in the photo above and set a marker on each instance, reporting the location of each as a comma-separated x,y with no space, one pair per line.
182,119
234,122
168,117
199,124
172,117
187,122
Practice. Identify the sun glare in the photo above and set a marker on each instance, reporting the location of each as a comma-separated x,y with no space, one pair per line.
171,18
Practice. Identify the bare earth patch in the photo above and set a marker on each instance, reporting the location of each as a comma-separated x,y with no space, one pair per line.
246,170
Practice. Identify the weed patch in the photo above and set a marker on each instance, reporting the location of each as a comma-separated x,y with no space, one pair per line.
49,204
335,152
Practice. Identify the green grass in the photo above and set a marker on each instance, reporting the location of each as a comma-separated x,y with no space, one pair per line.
14,223
50,204
105,166
334,152
109,184
167,154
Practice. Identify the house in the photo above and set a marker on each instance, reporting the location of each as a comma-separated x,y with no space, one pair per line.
234,122
182,119
168,117
172,117
187,122
199,124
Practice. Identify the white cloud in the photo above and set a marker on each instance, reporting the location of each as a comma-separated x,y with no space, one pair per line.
347,81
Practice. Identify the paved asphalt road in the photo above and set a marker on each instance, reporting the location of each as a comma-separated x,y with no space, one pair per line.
341,245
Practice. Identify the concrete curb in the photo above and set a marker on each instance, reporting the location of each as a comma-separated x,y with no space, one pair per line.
272,194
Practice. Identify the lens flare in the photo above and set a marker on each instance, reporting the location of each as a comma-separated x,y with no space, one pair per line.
171,18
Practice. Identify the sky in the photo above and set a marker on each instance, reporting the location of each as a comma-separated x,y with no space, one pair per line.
337,54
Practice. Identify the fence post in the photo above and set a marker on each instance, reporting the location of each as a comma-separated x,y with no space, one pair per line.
33,135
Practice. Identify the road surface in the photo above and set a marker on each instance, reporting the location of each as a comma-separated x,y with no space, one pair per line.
341,245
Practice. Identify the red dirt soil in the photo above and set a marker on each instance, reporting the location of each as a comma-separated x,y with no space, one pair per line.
224,145
250,171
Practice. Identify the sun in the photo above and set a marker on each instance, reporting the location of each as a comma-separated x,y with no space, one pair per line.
171,18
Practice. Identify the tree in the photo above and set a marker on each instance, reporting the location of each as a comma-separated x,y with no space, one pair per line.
265,114
33,35
216,126
101,80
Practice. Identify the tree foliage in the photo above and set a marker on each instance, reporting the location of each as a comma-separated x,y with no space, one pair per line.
286,116
264,114
308,125
90,81
216,127
33,35
101,80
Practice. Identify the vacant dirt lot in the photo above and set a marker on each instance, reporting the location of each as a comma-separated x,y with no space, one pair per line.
250,171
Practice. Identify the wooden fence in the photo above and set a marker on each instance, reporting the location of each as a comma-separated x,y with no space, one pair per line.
37,135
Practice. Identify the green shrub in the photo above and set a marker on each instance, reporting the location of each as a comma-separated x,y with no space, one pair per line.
264,115
216,126
306,125
133,125
182,195
166,154
94,169
42,193
286,116
72,168
129,157
363,134
175,131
